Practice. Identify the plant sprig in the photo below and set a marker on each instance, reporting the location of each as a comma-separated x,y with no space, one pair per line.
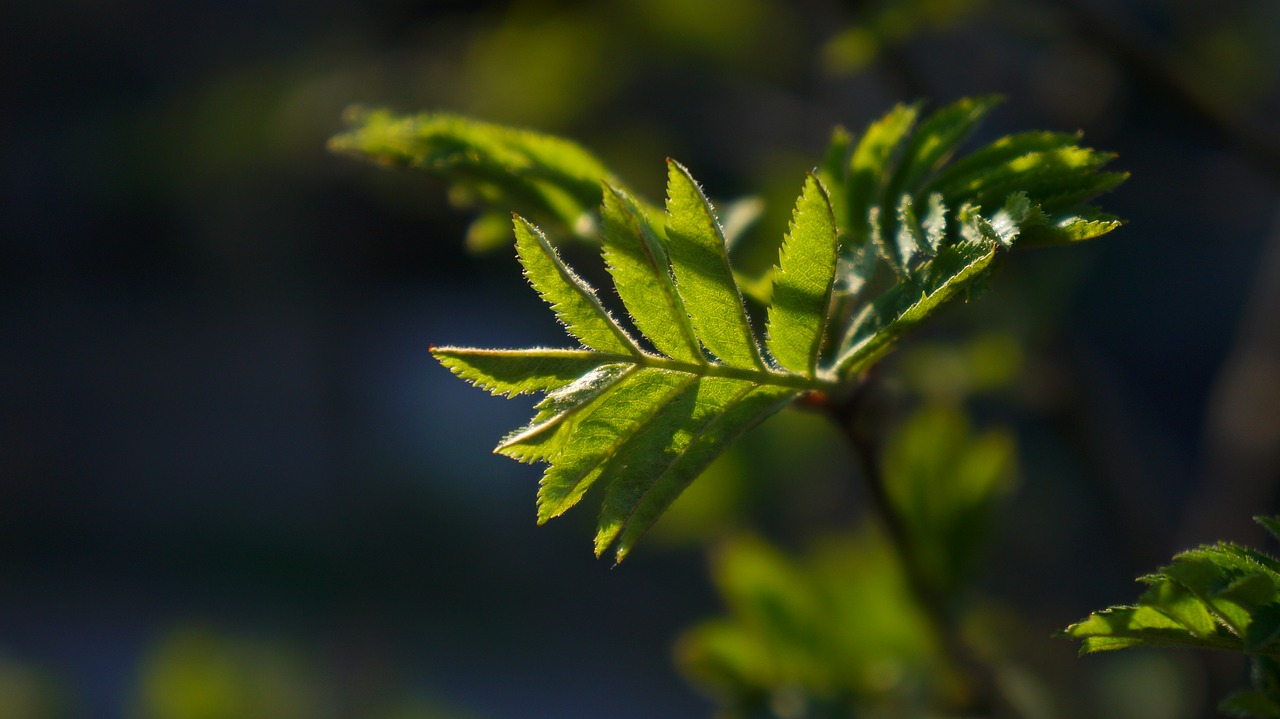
887,226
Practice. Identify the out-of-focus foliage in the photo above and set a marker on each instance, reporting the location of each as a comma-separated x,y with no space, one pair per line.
195,672
947,483
198,674
838,631
950,372
195,291
825,634
497,169
27,692
883,25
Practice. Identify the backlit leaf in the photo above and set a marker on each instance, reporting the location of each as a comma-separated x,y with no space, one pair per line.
1220,596
803,284
640,417
701,264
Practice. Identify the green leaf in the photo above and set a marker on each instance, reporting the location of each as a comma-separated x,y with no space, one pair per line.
551,429
645,425
547,177
641,272
1219,596
701,265
1222,579
1250,704
992,157
911,240
1083,224
570,298
934,223
833,173
937,139
513,372
1264,629
1054,178
641,419
1124,627
941,228
869,171
945,481
636,403
738,217
803,283
1179,604
659,466
1271,524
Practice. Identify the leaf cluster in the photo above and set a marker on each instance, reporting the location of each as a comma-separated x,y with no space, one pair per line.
1221,596
885,232
839,629
802,633
937,226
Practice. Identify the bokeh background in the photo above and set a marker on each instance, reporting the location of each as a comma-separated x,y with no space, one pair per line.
234,484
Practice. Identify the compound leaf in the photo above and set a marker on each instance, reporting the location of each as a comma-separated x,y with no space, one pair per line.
644,425
1220,596
940,228
643,418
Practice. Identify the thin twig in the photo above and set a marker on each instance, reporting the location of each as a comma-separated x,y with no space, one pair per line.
977,676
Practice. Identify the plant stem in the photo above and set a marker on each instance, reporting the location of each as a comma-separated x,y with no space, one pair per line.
981,690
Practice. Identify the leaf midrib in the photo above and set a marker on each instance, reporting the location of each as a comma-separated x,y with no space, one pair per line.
711,369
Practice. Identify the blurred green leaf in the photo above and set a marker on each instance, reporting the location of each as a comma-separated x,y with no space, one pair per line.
950,373
543,66
1264,700
194,673
834,628
945,483
888,23
497,168
28,692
